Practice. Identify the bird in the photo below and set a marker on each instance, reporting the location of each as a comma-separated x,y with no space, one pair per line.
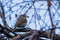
21,21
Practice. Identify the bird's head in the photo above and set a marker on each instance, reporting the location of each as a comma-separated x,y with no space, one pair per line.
25,16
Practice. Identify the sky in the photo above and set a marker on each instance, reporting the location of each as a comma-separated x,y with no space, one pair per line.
39,17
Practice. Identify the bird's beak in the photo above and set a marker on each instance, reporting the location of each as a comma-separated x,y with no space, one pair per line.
27,16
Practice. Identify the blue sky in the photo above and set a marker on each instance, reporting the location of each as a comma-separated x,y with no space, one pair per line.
12,7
